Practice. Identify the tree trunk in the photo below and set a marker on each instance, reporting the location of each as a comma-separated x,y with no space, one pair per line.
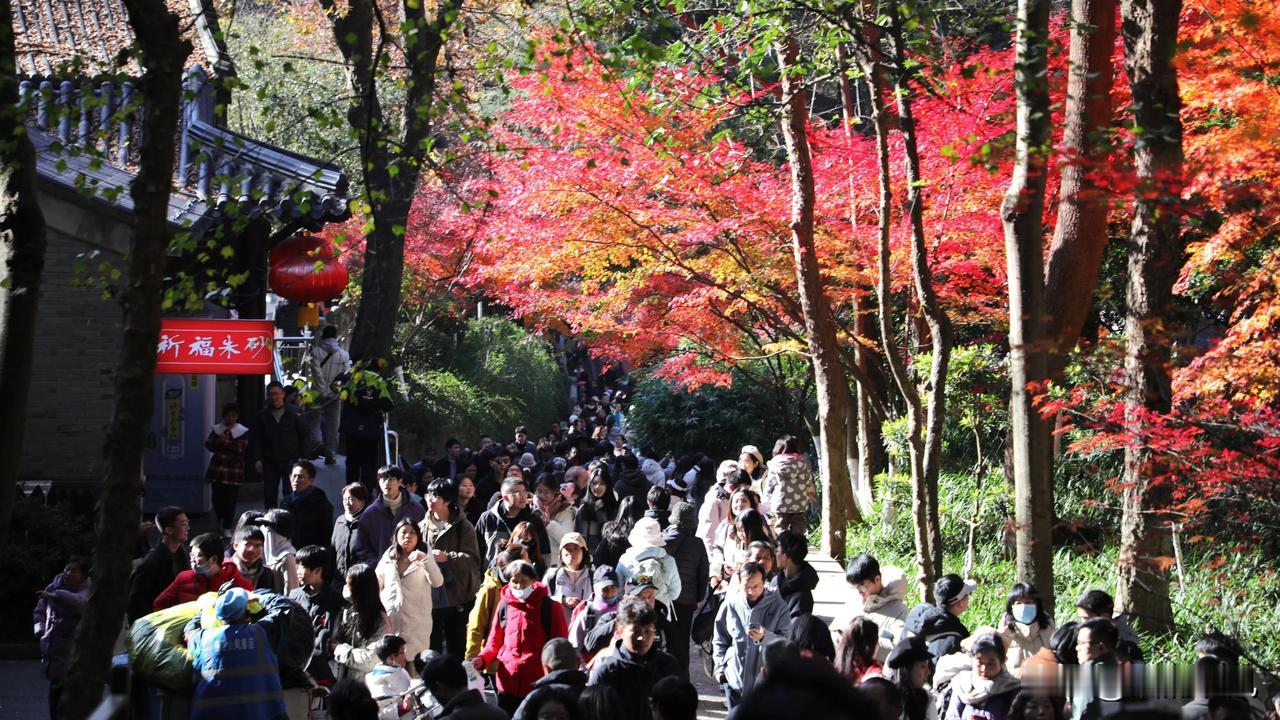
22,242
1022,214
1150,30
929,448
391,159
829,378
928,565
163,56
864,424
1080,235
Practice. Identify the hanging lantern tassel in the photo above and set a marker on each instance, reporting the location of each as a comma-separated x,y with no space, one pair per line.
309,315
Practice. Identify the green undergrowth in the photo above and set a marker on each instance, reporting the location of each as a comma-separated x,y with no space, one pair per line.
1236,593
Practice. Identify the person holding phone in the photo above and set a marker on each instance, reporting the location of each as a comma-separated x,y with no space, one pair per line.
751,615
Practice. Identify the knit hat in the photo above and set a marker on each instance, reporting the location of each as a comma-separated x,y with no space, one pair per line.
527,461
647,533
754,452
951,589
684,516
231,604
604,577
908,652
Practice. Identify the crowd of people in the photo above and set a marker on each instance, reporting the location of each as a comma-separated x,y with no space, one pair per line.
569,574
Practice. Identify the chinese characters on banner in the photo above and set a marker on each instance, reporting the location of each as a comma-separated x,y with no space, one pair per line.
219,347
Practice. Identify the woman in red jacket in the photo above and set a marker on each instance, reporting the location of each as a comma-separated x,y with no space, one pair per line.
208,573
525,620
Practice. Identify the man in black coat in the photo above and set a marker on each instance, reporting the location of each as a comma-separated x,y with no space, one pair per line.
445,679
635,665
560,663
496,524
162,562
278,439
690,554
323,605
312,512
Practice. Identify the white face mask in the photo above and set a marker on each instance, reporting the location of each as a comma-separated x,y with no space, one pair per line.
346,592
1024,613
522,593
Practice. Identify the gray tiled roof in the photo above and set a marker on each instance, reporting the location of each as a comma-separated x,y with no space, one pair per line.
50,33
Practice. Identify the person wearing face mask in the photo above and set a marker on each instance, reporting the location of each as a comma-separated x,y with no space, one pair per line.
364,622
346,530
1025,627
986,691
209,571
606,593
523,622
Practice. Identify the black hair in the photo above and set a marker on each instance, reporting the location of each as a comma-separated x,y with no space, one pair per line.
753,526
862,569
559,654
248,532
1063,643
659,498
674,698
809,688
210,545
634,611
391,471
388,646
275,384
520,567
396,551
446,490
1026,590
795,545
751,568
1018,708
315,556
600,701
230,407
365,598
351,700
1219,645
885,695
551,694
988,642
278,519
451,442
168,516
1100,627
856,649
329,332
1096,602
81,562
443,670
307,466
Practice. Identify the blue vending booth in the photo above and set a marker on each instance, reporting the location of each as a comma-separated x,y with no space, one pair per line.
175,460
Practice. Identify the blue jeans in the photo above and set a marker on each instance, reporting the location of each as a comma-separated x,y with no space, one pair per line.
732,696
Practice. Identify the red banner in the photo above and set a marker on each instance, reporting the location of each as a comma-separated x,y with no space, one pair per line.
219,347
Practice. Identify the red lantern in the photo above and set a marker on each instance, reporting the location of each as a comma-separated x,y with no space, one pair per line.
305,269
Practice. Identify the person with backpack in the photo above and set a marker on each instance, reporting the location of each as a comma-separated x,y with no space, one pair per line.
454,547
525,619
570,582
605,596
647,557
636,664
694,568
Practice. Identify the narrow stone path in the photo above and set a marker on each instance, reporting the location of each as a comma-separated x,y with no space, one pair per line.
831,596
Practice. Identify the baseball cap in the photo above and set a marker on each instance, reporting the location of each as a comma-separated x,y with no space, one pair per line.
951,589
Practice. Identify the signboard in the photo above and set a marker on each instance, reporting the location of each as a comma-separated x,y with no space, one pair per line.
219,347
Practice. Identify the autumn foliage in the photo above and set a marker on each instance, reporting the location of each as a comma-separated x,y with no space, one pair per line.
628,211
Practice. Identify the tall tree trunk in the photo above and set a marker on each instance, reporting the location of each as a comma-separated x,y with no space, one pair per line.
1150,31
935,318
163,56
924,523
22,242
391,158
829,377
1080,235
865,421
1022,213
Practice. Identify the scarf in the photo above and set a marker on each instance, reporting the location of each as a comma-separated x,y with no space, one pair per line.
973,690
